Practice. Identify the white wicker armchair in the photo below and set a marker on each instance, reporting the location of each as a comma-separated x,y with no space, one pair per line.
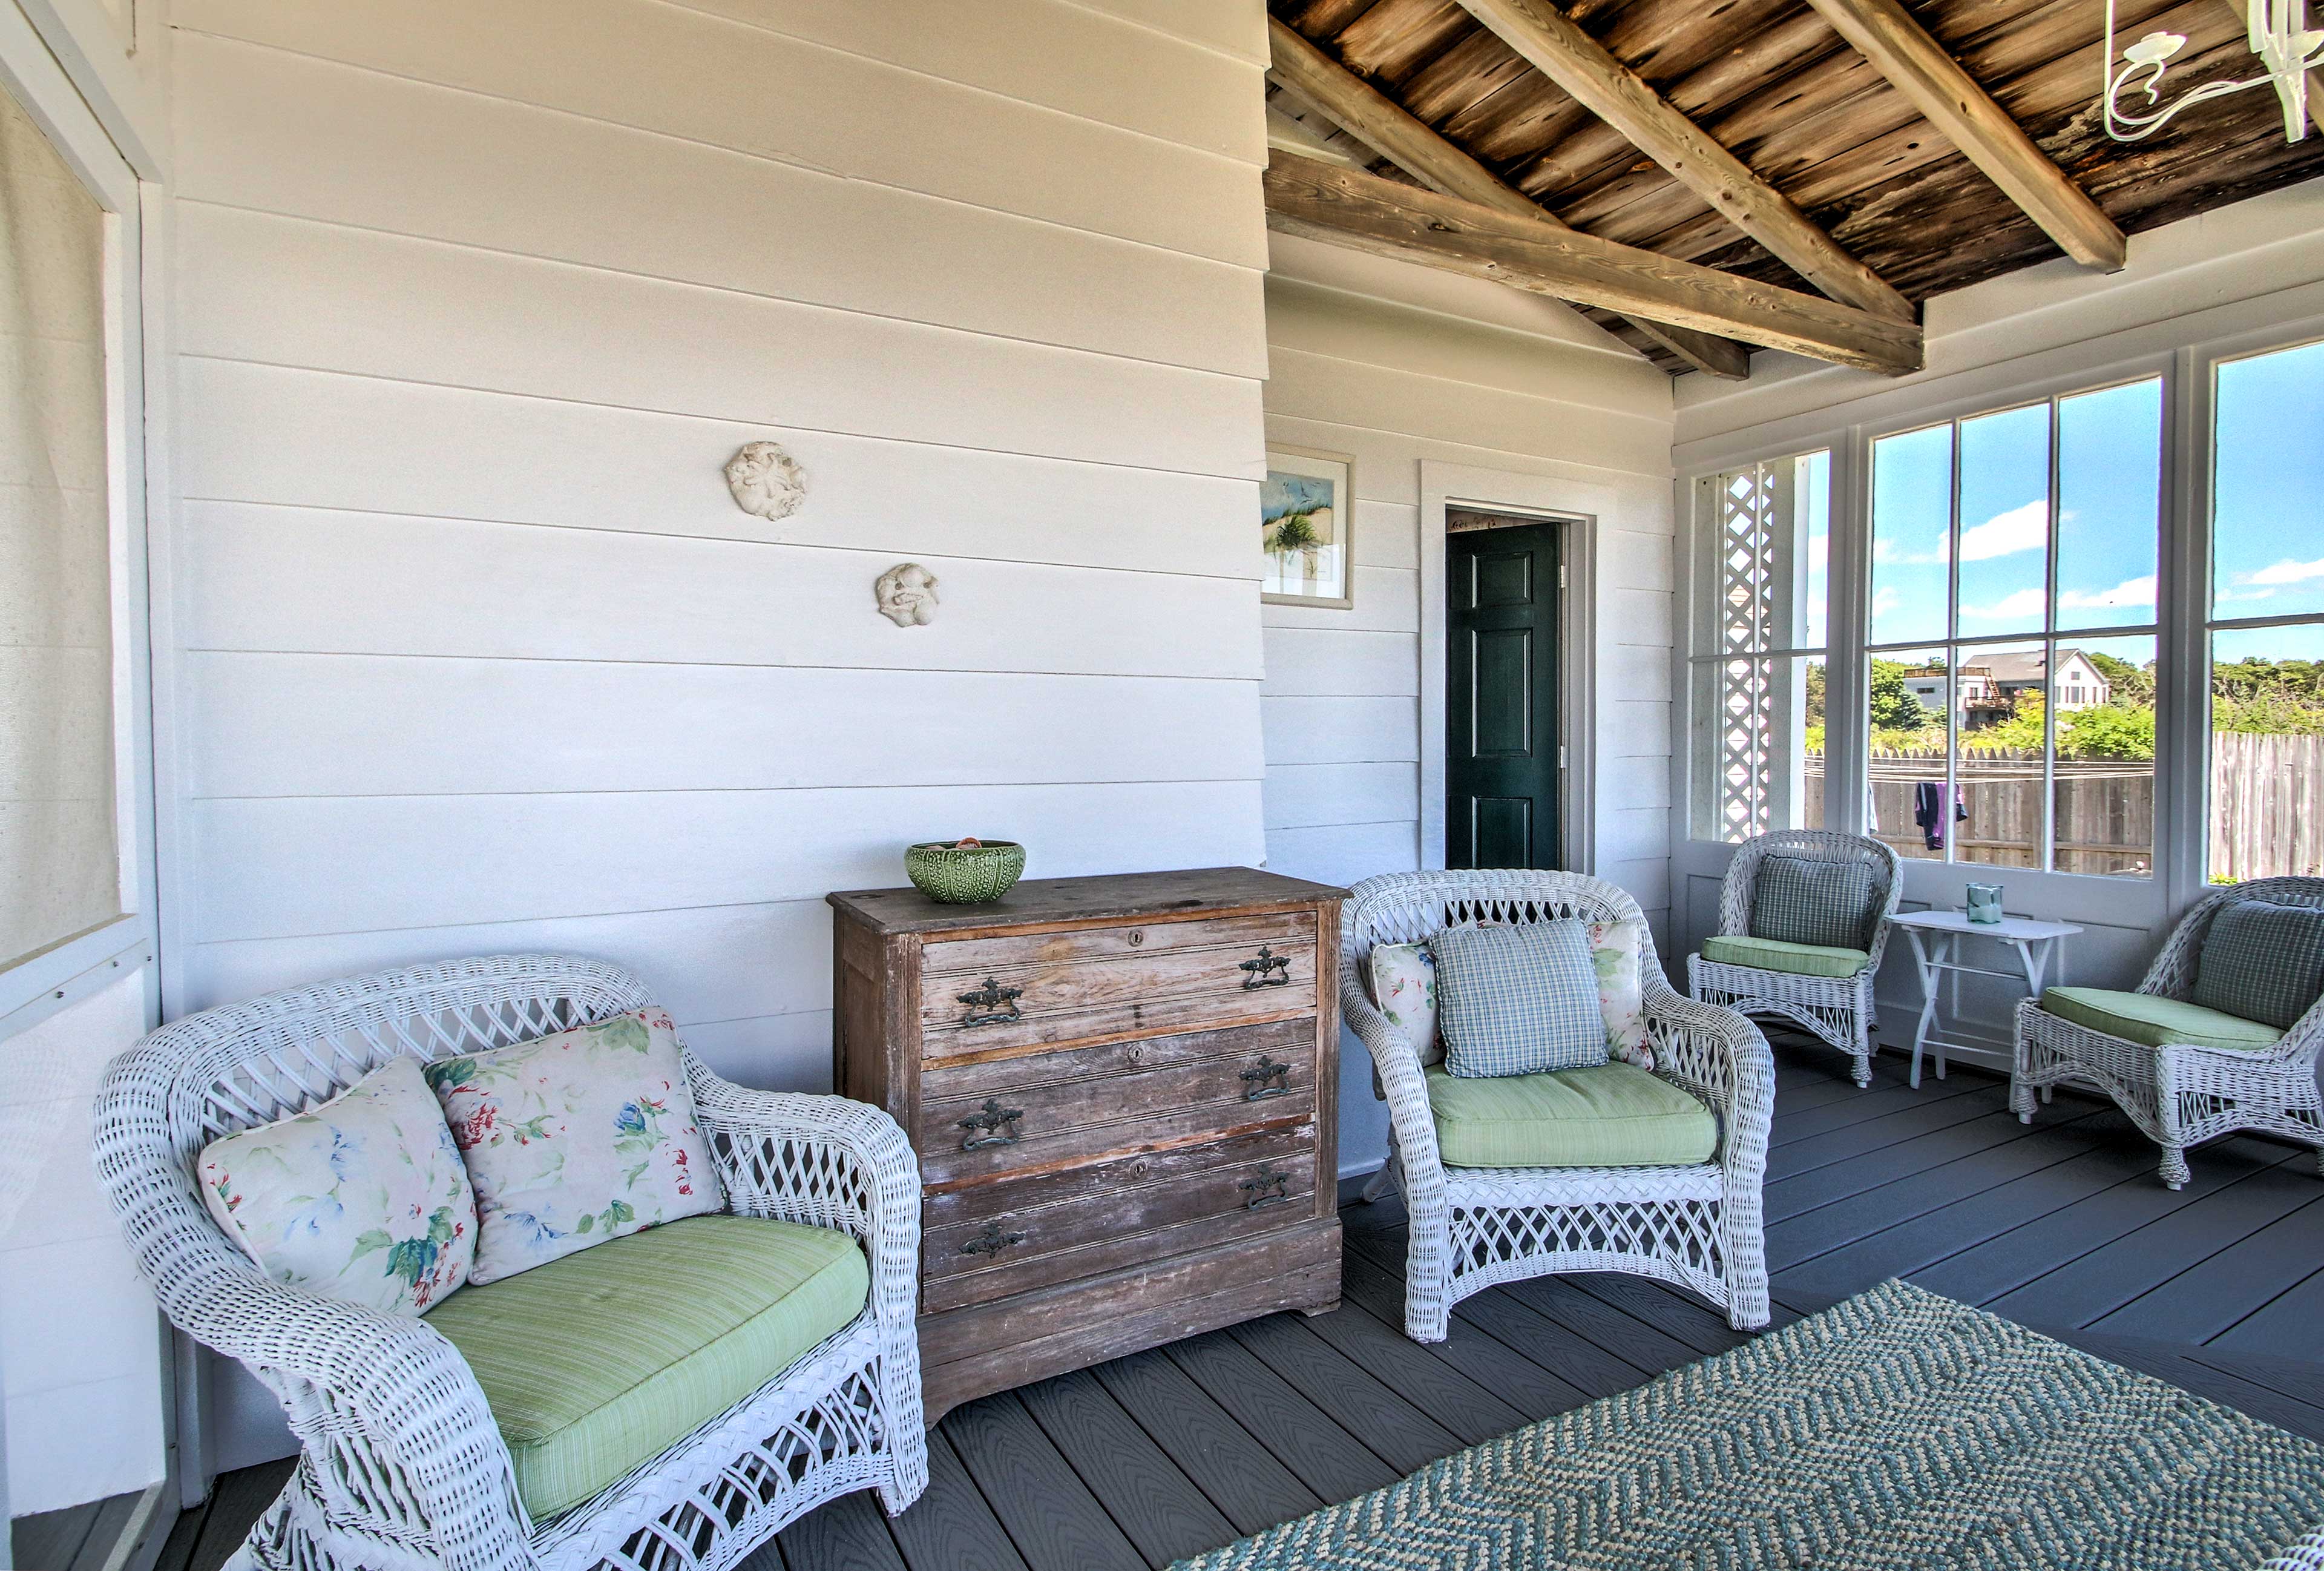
1837,1010
1698,1227
400,1463
2180,1094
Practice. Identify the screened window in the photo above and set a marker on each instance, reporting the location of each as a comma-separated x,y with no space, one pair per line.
59,864
2010,667
2266,619
1759,671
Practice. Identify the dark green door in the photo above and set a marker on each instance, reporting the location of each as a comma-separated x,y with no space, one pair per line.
1500,711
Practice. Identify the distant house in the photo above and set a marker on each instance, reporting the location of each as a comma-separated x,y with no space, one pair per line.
1991,684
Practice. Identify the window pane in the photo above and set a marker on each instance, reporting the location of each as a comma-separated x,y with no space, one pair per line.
1758,746
2105,774
1811,489
59,870
2004,522
1905,695
1912,525
2267,533
2267,753
2109,504
1999,726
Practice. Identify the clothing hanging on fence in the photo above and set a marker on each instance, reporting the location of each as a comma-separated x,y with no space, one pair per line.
1929,812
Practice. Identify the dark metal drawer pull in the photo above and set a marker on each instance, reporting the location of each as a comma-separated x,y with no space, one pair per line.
993,1122
992,1241
1266,969
1259,1075
1257,1186
992,1005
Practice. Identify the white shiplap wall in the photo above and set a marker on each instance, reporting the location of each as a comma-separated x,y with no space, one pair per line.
473,651
1394,366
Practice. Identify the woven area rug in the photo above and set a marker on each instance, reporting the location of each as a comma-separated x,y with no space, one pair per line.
1898,1430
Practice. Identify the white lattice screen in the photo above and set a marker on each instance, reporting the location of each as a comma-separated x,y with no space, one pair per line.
1747,712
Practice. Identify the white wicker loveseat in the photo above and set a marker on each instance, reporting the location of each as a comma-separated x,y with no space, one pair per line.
400,1463
2180,1094
1698,1227
1835,1009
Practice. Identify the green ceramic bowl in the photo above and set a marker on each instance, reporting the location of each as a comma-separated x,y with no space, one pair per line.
964,875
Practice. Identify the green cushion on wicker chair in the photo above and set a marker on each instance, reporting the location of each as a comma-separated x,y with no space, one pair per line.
1603,1115
1773,955
2153,1021
599,1360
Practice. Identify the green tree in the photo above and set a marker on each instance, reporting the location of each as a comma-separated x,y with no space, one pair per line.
2108,731
2021,732
2132,684
1892,707
2261,695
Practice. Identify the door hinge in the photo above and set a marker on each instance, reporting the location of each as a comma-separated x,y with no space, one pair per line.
1561,575
1561,756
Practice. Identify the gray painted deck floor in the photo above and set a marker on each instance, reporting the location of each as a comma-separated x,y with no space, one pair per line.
2061,1225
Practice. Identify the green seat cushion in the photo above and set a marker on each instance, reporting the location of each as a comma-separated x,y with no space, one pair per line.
1602,1116
2142,1017
601,1360
1773,955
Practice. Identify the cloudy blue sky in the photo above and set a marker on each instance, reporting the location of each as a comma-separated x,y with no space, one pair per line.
2269,542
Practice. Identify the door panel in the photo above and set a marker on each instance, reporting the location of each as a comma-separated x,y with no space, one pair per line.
1501,721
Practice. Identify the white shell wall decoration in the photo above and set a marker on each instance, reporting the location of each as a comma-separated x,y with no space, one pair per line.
907,595
766,481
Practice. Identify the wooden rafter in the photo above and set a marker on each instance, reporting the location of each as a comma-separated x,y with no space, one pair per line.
1884,33
1553,44
1382,125
1364,212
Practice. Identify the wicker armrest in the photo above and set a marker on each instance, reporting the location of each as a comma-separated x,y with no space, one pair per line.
1721,1057
1396,1064
822,1161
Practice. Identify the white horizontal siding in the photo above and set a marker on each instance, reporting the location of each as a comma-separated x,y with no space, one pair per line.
698,78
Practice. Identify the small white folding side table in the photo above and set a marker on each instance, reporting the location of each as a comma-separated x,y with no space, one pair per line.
1936,938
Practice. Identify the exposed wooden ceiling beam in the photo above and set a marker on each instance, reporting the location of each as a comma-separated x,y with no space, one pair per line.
1344,206
1884,33
1553,44
1384,125
2315,77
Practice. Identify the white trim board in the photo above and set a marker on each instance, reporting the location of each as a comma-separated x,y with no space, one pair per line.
1586,509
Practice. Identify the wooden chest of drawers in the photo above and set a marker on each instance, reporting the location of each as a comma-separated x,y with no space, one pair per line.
1122,1093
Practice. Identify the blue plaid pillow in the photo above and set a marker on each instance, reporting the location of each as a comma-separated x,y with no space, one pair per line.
1518,1000
2262,961
1795,900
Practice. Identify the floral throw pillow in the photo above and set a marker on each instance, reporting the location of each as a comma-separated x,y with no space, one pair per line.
1614,953
574,1139
363,1198
1404,985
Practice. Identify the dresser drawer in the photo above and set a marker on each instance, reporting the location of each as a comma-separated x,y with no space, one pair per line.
1006,1007
978,955
973,1262
1045,1110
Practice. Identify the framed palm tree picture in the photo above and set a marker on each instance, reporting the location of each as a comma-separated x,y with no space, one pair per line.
1306,520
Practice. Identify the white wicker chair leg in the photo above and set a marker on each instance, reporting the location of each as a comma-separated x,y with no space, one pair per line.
1427,1269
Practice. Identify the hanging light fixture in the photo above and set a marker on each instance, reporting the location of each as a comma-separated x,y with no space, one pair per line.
2280,36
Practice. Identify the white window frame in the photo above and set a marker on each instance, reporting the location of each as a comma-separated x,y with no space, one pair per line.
79,963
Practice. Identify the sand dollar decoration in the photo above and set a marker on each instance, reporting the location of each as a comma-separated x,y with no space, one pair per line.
765,480
907,595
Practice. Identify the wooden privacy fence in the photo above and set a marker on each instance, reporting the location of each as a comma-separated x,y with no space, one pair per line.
2267,813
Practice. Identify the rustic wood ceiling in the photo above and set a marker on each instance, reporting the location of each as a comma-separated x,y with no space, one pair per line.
1773,83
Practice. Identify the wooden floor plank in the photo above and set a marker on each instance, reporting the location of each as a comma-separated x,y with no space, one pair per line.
1329,1460
847,1534
238,1500
2171,1363
2030,1251
2104,1280
950,1528
1156,1507
1623,1335
52,1539
1236,1472
1785,1198
1880,1102
1878,1134
1052,1517
104,1539
1406,1438
178,1549
1465,1408
2287,1326
1856,1227
1679,1315
1534,1391
2239,1280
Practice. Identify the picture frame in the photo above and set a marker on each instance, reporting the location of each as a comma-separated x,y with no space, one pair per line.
1308,496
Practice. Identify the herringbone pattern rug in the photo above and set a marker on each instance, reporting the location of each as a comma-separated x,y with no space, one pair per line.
1897,1430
